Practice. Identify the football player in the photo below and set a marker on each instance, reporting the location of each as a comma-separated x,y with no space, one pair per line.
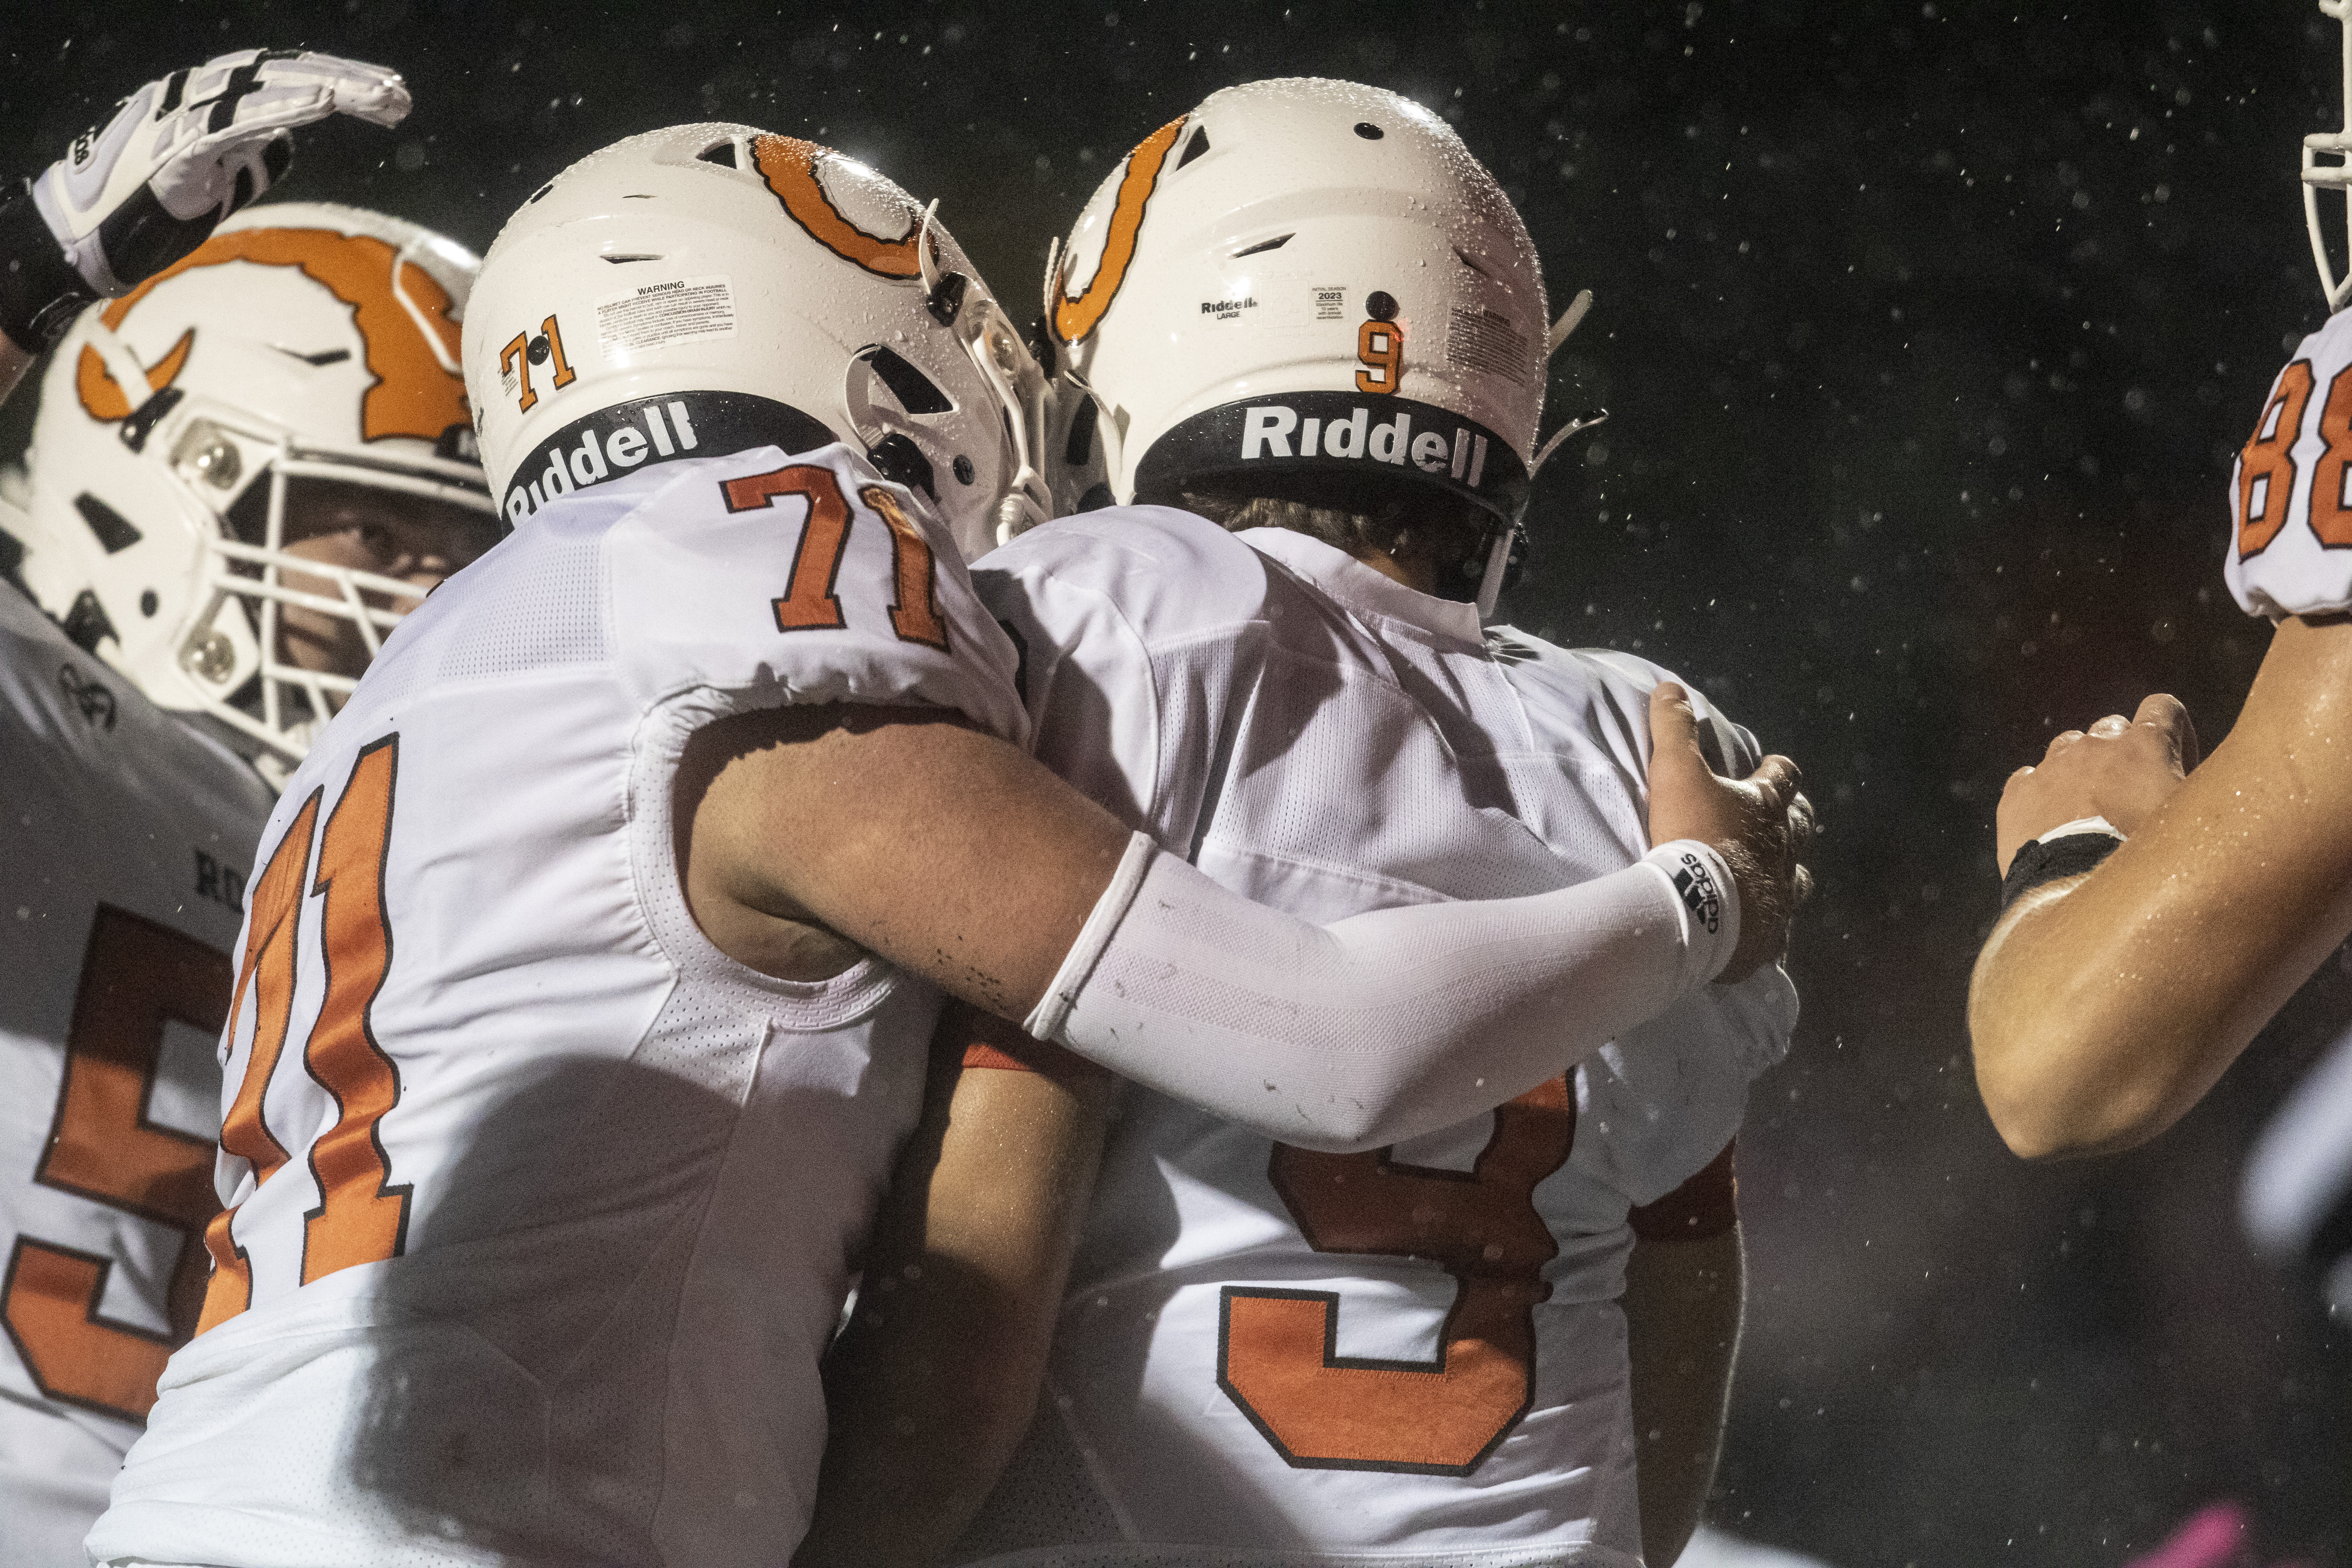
244,467
1309,336
594,952
2159,911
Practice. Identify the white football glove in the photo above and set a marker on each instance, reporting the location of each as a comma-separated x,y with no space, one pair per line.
133,196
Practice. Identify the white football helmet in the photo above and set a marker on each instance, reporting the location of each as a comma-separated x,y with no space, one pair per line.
303,341
701,289
2335,176
1302,277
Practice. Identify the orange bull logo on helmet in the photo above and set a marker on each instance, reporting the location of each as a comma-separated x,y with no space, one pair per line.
394,303
789,168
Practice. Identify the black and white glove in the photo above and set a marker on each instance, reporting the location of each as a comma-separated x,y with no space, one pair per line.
136,195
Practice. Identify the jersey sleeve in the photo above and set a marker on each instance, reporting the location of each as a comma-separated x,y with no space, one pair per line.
1128,623
1704,1206
1672,1090
2290,548
764,580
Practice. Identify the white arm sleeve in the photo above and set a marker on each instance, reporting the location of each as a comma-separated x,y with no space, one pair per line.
1387,1025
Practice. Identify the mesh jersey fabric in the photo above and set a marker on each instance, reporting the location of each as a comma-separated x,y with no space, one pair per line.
124,841
1326,742
2290,545
628,1173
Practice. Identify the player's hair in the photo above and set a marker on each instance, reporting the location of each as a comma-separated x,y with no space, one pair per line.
1449,532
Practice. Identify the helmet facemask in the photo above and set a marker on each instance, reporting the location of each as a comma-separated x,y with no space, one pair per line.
1007,370
2335,176
235,651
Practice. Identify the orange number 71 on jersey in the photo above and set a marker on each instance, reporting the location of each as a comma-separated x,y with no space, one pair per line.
809,603
362,1217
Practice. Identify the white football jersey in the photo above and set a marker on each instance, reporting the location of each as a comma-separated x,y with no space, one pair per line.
124,837
541,1209
1413,1354
2290,550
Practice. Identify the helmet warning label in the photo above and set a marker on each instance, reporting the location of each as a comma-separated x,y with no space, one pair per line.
1486,340
659,315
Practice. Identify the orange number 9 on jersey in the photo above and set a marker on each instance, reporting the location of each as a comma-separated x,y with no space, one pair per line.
1277,1354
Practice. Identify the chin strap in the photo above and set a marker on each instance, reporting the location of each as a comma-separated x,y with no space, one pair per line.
1498,566
1570,320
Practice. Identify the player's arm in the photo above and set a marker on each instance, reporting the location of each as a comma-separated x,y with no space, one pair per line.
1685,1287
960,857
137,193
2105,1005
935,1379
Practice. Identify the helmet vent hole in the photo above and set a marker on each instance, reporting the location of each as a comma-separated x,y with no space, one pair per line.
902,462
1276,243
1460,255
1196,146
721,154
542,191
1082,435
113,529
149,603
916,393
624,261
1368,130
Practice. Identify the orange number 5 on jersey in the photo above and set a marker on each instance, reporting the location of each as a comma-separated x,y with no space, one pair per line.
1278,1356
136,978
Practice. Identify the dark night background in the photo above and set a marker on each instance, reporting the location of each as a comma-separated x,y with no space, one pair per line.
1928,332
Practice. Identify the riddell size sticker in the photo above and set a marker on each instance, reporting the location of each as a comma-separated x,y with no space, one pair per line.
659,315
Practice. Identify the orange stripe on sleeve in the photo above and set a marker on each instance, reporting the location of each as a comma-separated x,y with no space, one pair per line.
995,1044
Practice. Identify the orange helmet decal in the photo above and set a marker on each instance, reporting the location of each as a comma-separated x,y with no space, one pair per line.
1074,319
414,394
788,164
105,398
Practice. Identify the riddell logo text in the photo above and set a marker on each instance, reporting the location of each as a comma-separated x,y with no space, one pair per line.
1267,431
592,459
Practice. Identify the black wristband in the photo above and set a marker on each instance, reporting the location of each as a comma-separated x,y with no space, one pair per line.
40,294
2068,855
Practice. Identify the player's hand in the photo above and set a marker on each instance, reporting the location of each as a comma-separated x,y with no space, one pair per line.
2121,769
135,195
1761,826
